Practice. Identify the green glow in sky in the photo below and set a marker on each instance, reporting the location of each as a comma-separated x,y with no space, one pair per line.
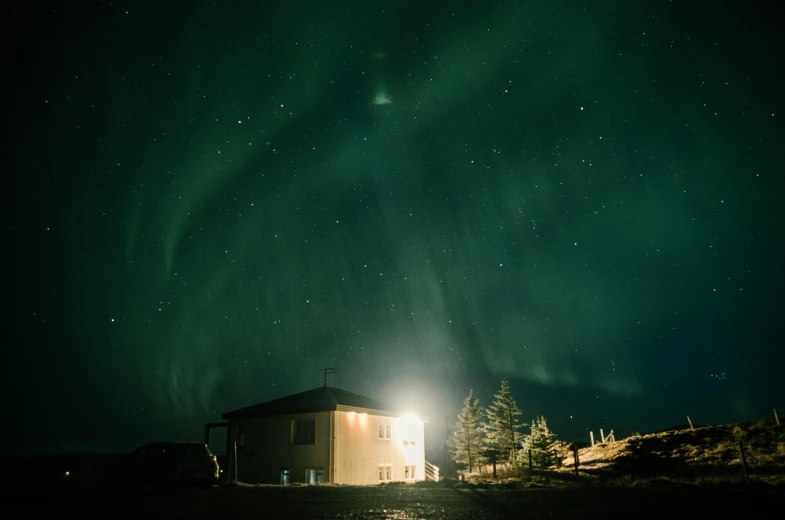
210,203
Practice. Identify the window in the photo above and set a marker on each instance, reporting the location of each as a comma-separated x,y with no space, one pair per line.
304,431
409,443
385,471
156,450
284,476
385,431
314,475
409,472
189,449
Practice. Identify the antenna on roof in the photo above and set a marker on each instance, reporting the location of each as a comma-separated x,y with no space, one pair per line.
327,371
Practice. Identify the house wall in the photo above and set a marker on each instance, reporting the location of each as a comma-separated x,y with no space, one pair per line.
359,451
264,447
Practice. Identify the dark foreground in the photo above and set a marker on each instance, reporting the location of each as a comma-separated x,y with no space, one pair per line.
401,502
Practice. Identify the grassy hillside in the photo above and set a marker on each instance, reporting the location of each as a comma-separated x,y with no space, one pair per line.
705,452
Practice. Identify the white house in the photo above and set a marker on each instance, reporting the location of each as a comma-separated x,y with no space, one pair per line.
325,435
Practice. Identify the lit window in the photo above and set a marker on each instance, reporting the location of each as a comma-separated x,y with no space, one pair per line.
409,472
284,476
304,431
385,431
385,472
314,475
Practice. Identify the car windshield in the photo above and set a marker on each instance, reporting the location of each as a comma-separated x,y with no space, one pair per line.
171,449
187,449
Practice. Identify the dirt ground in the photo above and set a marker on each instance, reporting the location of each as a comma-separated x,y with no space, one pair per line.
401,502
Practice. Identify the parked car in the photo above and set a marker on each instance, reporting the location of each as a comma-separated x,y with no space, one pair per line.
167,463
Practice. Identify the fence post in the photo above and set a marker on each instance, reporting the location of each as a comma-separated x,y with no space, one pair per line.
591,436
235,461
776,417
690,421
575,453
530,459
602,436
744,463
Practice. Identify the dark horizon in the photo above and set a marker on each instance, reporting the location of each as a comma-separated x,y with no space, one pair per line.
208,204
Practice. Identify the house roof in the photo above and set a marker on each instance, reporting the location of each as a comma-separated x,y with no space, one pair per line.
322,399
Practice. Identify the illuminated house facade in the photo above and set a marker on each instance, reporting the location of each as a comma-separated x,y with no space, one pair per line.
325,435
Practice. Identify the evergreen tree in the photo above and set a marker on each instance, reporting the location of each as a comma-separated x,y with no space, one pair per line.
541,441
503,425
469,436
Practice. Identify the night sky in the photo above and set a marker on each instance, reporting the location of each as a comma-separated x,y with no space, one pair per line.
205,203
